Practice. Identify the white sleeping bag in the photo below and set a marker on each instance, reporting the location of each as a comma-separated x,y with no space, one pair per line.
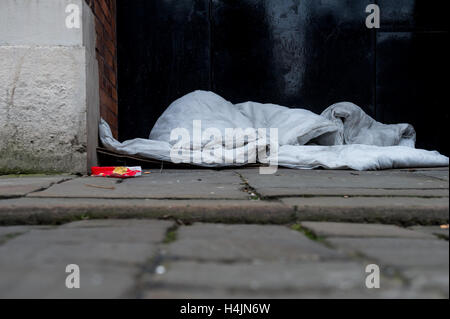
343,137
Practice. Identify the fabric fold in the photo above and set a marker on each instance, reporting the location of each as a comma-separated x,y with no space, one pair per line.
196,128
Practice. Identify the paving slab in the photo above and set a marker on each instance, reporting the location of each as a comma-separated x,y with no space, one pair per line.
21,186
32,211
230,243
288,182
109,256
404,211
328,229
412,169
48,282
15,230
432,230
217,196
128,245
82,253
402,252
281,192
428,279
142,229
392,293
186,185
387,210
273,280
439,174
267,276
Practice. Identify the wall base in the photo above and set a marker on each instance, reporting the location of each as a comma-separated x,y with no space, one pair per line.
43,105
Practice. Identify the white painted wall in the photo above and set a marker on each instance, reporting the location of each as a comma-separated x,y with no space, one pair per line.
48,88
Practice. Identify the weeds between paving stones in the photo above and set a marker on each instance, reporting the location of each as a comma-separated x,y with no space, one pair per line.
9,237
308,233
171,234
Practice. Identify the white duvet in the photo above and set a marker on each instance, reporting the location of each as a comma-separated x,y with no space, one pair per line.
342,137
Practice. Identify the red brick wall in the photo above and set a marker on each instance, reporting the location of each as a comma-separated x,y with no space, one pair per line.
105,26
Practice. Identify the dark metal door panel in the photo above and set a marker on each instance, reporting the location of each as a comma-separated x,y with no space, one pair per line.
412,67
163,53
242,66
306,54
418,15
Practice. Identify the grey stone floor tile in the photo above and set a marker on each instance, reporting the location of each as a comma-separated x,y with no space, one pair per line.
329,229
246,242
21,186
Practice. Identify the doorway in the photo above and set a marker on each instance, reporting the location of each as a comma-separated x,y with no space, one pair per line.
306,54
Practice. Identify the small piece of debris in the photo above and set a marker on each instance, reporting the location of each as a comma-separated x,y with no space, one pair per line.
444,226
102,187
160,270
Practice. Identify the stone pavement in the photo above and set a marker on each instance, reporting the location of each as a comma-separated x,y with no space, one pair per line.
161,259
404,197
226,234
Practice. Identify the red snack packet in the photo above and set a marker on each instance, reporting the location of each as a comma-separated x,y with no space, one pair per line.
116,171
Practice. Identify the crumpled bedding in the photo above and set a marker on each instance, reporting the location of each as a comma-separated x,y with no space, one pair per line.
342,137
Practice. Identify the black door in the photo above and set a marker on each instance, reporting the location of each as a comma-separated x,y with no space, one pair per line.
297,53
